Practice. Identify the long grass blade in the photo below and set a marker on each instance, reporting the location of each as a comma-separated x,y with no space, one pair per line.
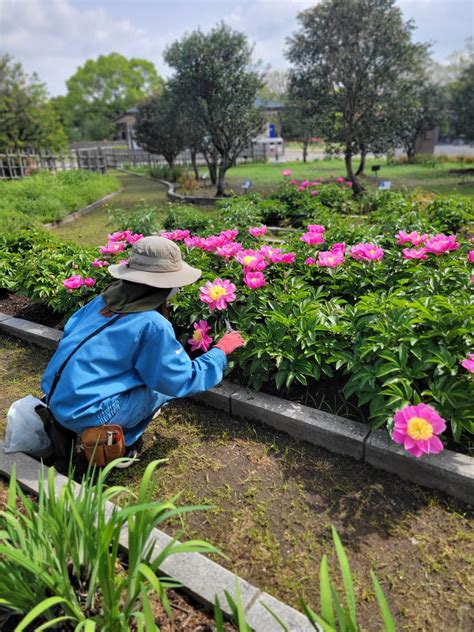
38,610
346,576
327,610
387,618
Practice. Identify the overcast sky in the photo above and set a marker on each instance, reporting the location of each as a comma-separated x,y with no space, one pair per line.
54,37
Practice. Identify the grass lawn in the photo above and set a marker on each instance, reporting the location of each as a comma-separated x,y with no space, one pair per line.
276,498
436,179
92,229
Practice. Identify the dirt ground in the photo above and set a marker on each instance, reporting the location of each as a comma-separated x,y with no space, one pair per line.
275,500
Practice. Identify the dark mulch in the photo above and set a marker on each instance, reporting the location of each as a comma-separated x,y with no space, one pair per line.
22,307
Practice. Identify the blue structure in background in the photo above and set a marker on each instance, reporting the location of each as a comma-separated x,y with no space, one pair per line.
271,130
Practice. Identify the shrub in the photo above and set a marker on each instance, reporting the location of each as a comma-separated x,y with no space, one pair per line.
182,216
165,172
143,219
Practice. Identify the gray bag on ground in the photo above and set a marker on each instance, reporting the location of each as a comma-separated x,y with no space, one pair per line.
25,429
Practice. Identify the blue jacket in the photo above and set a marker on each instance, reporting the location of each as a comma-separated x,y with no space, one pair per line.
139,349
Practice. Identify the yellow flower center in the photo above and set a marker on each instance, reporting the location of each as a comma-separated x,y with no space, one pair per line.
248,259
372,251
418,428
216,292
197,335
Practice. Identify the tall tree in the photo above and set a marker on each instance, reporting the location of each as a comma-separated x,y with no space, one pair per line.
27,118
213,72
101,90
352,59
159,127
462,104
300,125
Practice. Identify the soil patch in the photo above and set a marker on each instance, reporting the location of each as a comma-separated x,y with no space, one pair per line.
462,172
21,307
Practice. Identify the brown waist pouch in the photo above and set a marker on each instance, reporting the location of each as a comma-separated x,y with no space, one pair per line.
103,444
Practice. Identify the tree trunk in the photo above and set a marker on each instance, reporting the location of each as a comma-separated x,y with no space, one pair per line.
410,147
212,167
305,151
220,180
363,155
356,186
194,163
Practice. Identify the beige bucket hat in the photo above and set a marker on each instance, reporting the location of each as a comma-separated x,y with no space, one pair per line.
157,262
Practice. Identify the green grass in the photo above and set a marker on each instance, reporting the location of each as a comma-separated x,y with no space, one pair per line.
47,197
436,179
277,498
92,229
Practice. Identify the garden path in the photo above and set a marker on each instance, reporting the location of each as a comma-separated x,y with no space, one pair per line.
276,498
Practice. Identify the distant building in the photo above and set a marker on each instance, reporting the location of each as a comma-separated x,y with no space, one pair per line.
268,143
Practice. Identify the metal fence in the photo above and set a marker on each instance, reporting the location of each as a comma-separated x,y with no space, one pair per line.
16,165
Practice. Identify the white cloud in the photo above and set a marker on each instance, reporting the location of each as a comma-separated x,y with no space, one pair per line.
54,37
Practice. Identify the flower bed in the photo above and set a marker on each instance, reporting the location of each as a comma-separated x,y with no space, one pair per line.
379,309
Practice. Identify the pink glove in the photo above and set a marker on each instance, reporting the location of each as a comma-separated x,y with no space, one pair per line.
230,342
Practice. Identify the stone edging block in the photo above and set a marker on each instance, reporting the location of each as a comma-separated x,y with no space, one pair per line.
83,211
32,332
302,422
449,471
200,577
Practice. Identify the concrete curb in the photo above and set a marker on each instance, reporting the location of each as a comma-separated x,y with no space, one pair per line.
449,472
200,577
83,211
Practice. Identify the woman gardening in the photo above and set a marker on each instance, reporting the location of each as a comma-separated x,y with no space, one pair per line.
119,361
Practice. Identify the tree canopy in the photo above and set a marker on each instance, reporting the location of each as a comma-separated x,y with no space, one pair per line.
213,74
27,118
353,60
462,104
160,127
101,90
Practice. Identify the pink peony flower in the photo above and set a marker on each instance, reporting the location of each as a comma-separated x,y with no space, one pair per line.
414,253
229,234
257,231
133,237
310,261
417,427
305,183
269,252
340,179
251,260
468,363
367,252
439,244
73,282
470,256
293,181
123,262
176,235
339,247
284,257
286,173
330,259
314,192
312,238
112,248
301,189
192,242
316,228
97,263
118,236
254,280
413,238
218,293
229,250
200,338
349,184
89,281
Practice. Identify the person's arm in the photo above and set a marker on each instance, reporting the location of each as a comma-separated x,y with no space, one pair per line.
164,365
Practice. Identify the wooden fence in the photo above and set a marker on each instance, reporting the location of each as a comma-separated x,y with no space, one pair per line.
16,165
